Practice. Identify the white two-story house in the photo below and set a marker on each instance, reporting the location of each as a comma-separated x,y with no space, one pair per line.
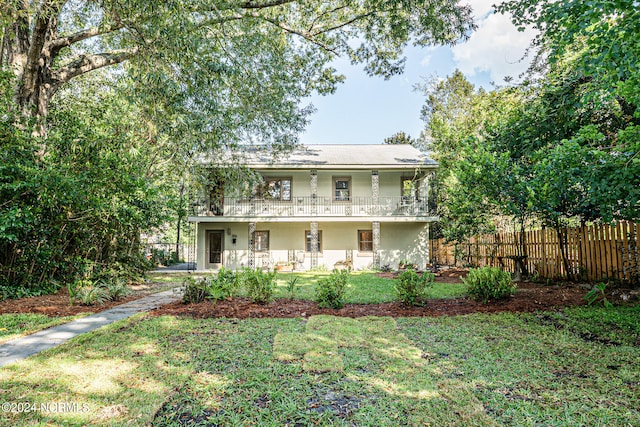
364,206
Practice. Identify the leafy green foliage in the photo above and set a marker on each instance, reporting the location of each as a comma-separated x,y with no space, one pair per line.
489,283
407,263
117,290
93,290
412,288
331,291
223,285
597,294
561,147
292,286
259,285
192,78
15,292
399,138
77,213
194,290
89,293
218,286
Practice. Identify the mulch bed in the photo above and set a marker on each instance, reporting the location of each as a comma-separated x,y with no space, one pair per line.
58,304
529,297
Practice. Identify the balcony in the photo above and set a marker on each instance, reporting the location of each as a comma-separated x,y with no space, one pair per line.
315,207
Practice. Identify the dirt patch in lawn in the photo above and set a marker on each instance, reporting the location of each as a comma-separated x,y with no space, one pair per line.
58,304
529,297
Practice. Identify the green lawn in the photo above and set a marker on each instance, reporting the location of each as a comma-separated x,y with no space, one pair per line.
364,287
14,325
577,367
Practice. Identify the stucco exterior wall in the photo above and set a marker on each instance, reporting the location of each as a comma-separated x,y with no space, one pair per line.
397,241
235,256
389,182
408,241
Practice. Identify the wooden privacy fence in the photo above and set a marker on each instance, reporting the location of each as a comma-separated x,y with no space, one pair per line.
594,252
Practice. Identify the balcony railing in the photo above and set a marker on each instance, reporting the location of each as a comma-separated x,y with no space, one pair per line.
315,206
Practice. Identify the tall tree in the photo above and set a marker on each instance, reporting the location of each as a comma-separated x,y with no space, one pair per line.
279,49
399,138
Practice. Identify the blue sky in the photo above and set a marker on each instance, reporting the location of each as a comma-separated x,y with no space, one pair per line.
365,110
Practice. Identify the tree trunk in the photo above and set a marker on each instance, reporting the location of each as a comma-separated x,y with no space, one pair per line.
562,243
27,52
180,216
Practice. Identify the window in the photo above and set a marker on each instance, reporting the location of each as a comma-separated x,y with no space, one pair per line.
276,189
261,241
409,189
365,240
342,189
307,239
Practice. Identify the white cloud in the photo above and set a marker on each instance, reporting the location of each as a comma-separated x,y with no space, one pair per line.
428,55
496,47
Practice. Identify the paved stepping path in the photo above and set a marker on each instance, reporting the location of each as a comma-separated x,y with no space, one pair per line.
21,348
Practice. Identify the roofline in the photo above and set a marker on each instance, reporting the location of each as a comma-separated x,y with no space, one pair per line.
257,166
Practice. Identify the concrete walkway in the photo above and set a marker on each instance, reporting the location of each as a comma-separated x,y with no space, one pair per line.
21,348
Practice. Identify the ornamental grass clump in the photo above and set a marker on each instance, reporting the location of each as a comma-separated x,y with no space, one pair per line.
488,283
412,288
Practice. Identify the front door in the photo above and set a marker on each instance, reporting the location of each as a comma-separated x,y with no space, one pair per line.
216,247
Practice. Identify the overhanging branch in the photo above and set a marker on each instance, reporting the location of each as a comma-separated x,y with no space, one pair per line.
263,5
61,42
87,63
302,33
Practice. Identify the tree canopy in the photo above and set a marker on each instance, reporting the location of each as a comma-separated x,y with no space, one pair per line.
560,148
106,103
252,59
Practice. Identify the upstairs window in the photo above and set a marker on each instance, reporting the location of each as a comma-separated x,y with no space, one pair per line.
342,189
409,189
276,189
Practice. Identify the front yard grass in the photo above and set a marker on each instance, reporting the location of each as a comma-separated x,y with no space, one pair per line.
16,325
576,367
364,287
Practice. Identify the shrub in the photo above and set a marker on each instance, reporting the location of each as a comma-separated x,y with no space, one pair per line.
117,289
17,291
331,291
216,287
597,294
259,285
386,268
407,264
87,292
489,283
195,290
223,285
292,286
411,288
